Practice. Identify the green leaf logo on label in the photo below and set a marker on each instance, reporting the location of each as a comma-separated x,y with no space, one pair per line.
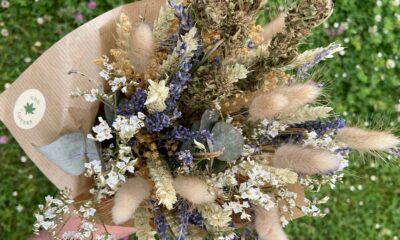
29,109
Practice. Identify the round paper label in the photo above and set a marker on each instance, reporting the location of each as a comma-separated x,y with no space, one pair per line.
29,109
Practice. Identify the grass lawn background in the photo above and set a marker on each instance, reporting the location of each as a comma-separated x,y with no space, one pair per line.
362,80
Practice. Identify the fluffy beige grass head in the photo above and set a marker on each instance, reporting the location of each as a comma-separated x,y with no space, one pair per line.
194,190
283,100
299,95
275,26
141,47
305,160
268,105
367,140
268,225
128,198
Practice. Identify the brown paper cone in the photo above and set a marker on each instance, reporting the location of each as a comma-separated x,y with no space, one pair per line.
47,85
299,190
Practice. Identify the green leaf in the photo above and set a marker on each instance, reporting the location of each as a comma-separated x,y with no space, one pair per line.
229,139
208,119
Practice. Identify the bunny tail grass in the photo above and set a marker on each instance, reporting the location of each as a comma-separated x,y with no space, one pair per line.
367,140
141,47
268,225
275,26
194,190
299,95
128,198
305,160
283,100
268,106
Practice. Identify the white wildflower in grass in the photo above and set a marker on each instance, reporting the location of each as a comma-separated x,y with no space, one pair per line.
19,208
40,20
24,159
4,32
396,3
378,18
103,131
5,4
390,64
157,95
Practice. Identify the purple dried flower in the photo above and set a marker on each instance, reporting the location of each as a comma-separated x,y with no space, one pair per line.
183,134
184,157
161,223
134,105
182,14
302,72
157,121
196,219
183,215
251,44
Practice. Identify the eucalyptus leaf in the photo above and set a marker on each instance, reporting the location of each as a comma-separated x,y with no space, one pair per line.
70,152
208,119
229,139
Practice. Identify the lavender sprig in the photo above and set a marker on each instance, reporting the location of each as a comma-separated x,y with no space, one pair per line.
302,72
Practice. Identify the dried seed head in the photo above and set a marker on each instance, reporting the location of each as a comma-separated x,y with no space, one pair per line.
275,26
283,100
128,198
305,160
268,224
141,47
367,140
194,190
268,105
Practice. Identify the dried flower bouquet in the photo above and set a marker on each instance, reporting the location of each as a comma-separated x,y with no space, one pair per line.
211,126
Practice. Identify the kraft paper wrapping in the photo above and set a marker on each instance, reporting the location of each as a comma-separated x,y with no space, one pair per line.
47,85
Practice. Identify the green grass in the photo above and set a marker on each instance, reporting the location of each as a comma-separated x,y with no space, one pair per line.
371,211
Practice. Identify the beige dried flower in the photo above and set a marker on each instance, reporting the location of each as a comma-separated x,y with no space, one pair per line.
305,160
129,197
157,95
367,140
268,224
194,190
163,183
141,47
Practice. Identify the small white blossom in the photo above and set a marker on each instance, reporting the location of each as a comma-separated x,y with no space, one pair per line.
127,128
118,83
390,64
103,131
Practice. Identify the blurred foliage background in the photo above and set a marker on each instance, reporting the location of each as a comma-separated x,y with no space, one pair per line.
364,80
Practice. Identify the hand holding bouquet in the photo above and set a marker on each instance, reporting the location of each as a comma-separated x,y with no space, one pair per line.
209,126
